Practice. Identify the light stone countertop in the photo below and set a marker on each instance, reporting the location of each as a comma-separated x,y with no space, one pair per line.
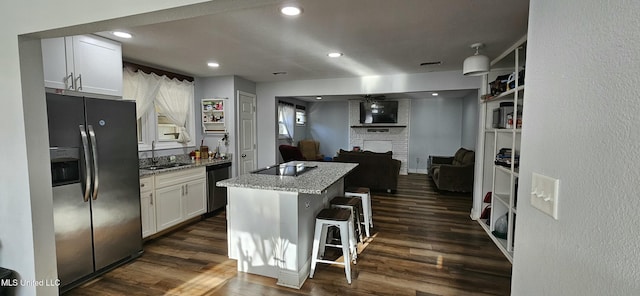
313,181
195,163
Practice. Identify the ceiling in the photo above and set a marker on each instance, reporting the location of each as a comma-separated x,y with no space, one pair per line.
449,94
377,37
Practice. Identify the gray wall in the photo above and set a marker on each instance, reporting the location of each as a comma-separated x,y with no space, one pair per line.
268,91
241,84
581,125
221,87
215,87
329,123
435,129
470,121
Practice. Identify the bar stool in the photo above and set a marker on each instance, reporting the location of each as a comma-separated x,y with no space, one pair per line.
342,219
353,204
365,194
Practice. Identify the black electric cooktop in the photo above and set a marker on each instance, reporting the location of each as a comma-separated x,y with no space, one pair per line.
284,170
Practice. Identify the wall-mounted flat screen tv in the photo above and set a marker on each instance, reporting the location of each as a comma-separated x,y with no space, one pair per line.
379,112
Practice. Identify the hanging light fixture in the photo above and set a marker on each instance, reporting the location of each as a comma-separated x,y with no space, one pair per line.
476,64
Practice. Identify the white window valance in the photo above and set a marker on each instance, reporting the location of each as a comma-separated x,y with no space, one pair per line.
172,97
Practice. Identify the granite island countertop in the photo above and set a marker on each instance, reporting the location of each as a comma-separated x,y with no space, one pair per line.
193,164
313,181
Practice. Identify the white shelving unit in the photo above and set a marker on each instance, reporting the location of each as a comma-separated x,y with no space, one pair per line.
502,180
213,115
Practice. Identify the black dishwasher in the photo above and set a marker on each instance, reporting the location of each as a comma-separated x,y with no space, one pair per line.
217,196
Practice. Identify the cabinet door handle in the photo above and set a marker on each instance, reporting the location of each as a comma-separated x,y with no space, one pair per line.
186,189
182,190
66,81
151,198
79,85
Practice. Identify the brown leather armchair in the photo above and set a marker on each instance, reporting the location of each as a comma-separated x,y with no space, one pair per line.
453,173
290,153
310,149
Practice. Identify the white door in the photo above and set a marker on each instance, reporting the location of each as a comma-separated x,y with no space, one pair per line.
247,151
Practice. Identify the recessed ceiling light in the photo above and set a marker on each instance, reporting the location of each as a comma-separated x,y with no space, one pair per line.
291,10
122,34
318,98
335,54
435,94
213,64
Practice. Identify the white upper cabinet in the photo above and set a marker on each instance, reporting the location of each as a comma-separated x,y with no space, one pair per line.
83,63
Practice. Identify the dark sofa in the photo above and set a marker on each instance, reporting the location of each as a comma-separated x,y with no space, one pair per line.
377,171
453,173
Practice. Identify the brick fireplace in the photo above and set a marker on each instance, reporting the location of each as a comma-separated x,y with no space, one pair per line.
382,137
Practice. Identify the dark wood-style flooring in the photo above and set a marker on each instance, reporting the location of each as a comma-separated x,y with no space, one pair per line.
424,244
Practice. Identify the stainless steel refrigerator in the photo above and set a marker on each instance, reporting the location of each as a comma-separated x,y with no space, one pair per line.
96,197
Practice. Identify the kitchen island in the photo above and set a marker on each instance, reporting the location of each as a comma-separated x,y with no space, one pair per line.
271,219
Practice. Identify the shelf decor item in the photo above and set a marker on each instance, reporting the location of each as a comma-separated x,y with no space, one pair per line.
501,227
213,114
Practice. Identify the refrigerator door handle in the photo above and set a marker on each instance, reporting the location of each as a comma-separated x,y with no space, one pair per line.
87,165
94,151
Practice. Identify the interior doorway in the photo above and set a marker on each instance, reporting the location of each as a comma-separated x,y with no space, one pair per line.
247,147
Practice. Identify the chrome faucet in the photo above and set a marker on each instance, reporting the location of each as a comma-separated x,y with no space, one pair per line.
153,152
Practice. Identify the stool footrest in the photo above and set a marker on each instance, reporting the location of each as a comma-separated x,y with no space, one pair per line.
330,262
333,246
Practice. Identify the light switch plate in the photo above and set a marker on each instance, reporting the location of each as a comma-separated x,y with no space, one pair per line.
544,194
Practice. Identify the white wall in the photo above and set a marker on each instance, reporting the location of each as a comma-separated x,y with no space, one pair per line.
470,120
26,236
581,125
267,92
436,129
329,123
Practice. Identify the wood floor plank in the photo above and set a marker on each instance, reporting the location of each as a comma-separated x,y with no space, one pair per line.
423,244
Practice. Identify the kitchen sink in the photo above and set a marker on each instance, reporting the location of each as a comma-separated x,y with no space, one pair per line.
164,166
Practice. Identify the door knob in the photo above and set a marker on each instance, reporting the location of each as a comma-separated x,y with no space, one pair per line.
244,155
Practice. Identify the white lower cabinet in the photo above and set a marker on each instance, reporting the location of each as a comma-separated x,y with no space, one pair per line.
176,197
195,202
169,206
